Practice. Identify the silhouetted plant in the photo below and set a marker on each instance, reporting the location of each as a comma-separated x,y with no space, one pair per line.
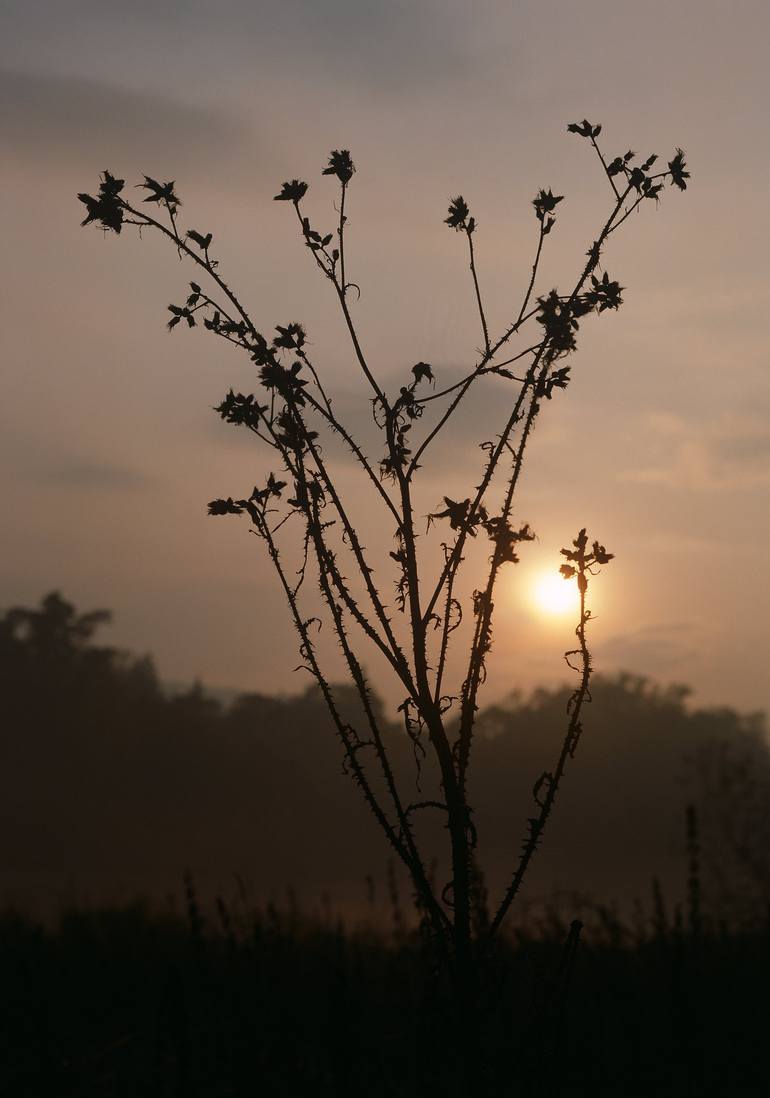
292,413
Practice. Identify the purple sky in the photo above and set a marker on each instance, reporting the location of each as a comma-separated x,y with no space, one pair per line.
108,448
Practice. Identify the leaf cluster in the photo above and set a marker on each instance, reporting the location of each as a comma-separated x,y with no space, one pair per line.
463,517
638,177
241,410
161,193
545,202
398,421
341,165
106,208
584,561
459,216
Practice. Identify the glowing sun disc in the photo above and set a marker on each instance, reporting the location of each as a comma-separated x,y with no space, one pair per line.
552,594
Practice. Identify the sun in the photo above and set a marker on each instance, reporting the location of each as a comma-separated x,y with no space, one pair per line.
555,596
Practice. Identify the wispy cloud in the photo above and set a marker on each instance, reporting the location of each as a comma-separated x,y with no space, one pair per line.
93,475
654,649
391,46
49,118
730,452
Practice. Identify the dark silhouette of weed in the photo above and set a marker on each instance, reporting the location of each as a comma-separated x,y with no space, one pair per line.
293,414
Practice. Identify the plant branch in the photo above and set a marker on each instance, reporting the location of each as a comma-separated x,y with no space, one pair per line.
552,780
484,329
594,254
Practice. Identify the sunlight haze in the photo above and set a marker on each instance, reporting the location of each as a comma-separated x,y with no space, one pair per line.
109,446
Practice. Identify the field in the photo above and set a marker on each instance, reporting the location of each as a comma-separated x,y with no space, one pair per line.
127,1002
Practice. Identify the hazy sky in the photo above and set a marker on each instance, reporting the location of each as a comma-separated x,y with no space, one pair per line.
109,449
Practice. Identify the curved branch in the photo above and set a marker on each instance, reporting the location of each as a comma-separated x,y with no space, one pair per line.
552,780
594,254
330,273
484,329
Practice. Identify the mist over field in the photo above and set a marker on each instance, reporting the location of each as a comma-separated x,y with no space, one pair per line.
112,790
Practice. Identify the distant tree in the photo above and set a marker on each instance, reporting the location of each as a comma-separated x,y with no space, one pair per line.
293,415
50,664
729,781
55,629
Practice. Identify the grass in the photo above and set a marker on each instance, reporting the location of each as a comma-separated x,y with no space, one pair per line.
133,1002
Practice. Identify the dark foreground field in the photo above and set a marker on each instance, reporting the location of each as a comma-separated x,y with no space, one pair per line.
229,1002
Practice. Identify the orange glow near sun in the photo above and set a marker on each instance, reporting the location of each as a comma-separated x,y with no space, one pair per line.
555,596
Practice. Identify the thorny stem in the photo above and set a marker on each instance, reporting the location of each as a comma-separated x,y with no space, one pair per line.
341,294
530,287
285,430
447,628
341,235
478,371
458,813
357,347
552,781
352,743
204,264
394,655
209,268
328,413
489,354
481,637
604,165
469,234
414,862
453,782
634,206
430,711
347,736
455,555
338,427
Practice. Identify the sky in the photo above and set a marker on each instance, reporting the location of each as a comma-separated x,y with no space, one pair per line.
109,448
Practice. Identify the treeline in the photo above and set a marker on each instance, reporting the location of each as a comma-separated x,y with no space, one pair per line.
111,788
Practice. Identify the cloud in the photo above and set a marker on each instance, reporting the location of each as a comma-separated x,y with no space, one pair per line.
387,47
748,448
66,118
93,475
731,452
653,649
395,46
